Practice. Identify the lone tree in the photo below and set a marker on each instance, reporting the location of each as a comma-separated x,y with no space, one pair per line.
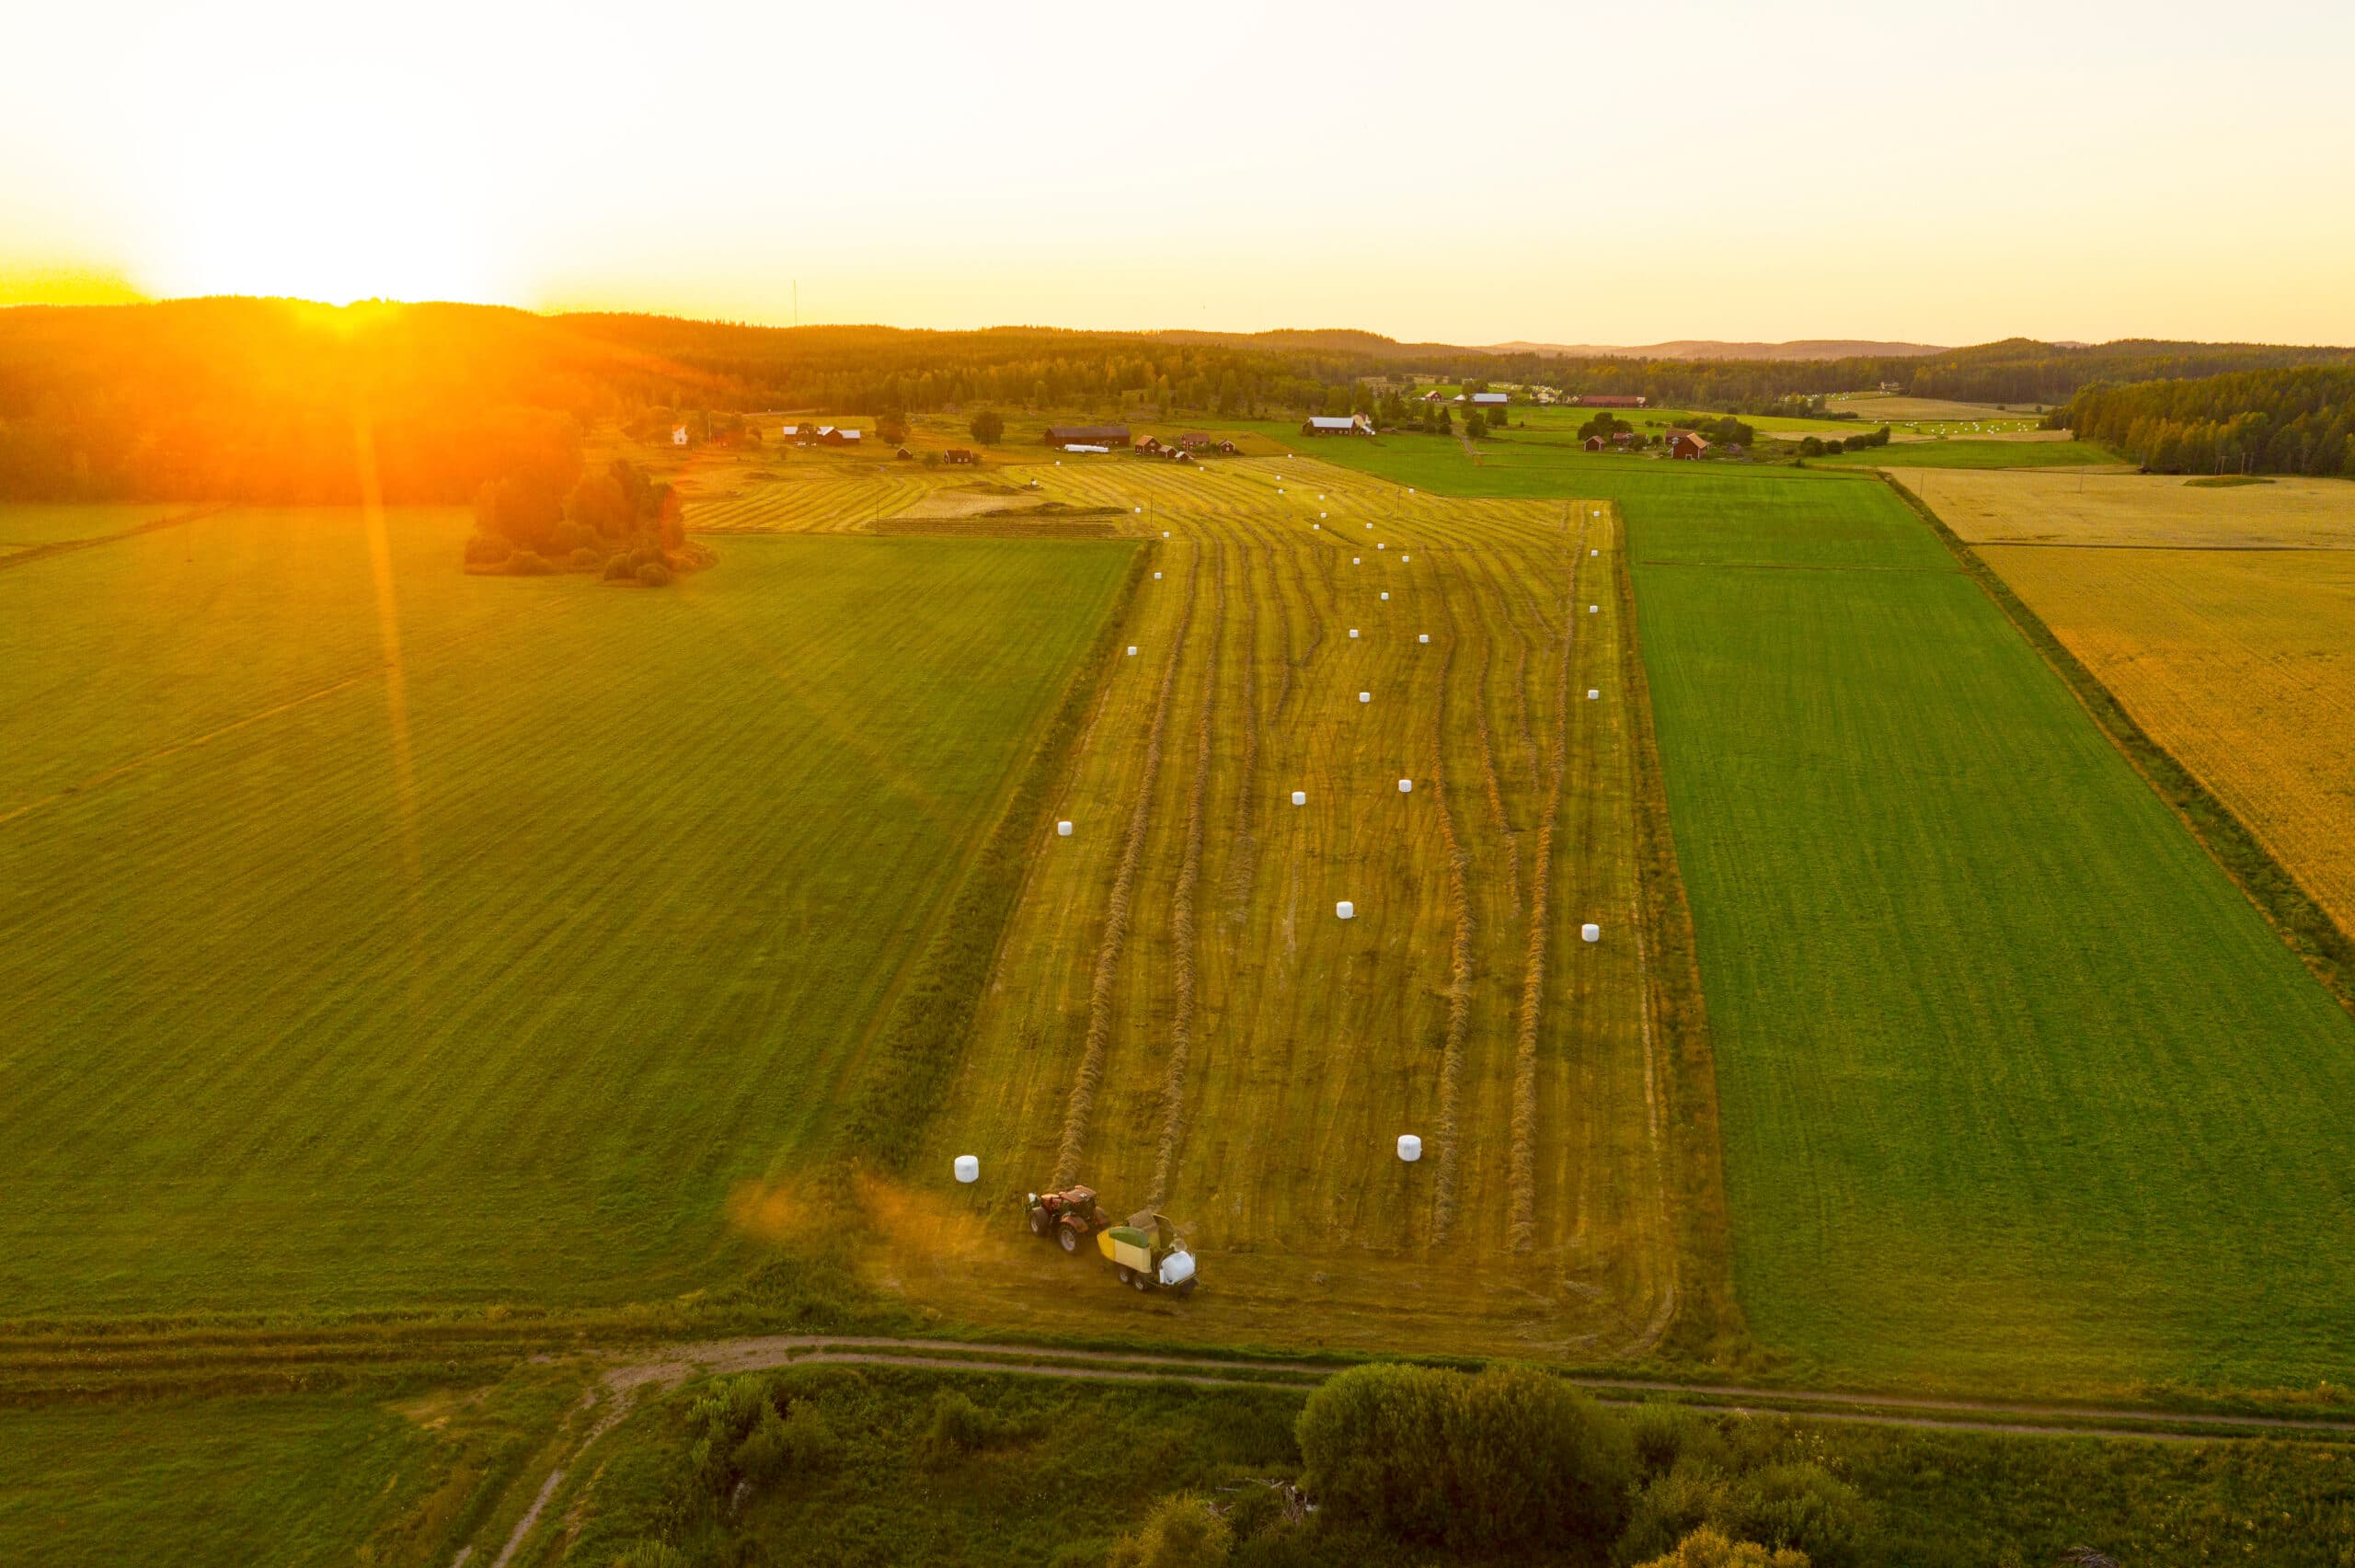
988,426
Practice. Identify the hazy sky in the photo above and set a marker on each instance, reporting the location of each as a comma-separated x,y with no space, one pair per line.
1472,173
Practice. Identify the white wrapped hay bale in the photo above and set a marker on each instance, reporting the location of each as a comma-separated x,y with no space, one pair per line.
1590,932
1156,576
1132,651
1300,798
1594,608
1422,636
1346,910
1406,786
1353,632
1365,696
1063,830
1592,694
969,1168
1386,593
1411,1148
1403,559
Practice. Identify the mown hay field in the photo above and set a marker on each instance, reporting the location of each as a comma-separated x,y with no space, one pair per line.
486,971
1177,1017
2138,509
2240,662
1967,451
2019,1089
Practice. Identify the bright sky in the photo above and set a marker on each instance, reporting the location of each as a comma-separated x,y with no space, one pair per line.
1571,172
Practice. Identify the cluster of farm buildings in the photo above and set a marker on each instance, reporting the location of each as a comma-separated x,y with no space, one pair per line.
1106,438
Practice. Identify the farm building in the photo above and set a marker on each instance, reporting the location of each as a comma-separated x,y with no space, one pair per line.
1435,395
1685,444
678,435
1605,400
904,454
1490,399
1088,435
836,435
959,455
1150,446
1336,424
1594,443
1229,448
1193,441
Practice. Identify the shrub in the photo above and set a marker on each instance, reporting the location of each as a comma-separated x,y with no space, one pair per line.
958,1427
487,550
654,574
586,560
618,570
529,564
1799,1507
1704,1547
1512,1459
1180,1532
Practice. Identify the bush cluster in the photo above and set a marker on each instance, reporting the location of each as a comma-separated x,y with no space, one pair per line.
1515,1461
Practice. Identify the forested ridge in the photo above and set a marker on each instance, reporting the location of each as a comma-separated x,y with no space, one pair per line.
2272,421
266,400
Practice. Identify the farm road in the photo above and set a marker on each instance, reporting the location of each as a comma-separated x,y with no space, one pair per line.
718,1357
682,1363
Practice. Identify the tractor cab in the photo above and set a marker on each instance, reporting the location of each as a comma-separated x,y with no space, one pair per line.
1066,1218
1147,1252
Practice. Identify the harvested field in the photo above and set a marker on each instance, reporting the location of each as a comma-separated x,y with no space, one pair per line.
2139,509
1177,1015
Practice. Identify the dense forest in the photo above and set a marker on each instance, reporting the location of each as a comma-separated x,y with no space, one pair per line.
2276,421
268,400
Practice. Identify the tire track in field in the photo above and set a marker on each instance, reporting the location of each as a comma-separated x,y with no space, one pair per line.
1244,868
1182,973
1532,988
1090,1072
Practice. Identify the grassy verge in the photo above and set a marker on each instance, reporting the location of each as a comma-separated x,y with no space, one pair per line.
2303,923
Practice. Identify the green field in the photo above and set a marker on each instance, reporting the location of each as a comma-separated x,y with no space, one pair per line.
204,1483
2016,1085
332,989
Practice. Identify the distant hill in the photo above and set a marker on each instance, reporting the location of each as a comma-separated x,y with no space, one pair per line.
1710,349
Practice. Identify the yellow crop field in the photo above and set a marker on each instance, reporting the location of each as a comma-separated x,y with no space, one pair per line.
1990,507
1180,1018
2224,619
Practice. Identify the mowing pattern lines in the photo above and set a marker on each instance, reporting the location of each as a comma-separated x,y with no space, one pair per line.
2016,1084
671,848
1251,1073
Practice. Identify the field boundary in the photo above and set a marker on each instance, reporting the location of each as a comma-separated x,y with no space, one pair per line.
2302,923
922,1038
32,553
1709,1320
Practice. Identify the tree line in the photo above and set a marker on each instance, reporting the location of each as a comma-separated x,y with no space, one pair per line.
281,401
2270,422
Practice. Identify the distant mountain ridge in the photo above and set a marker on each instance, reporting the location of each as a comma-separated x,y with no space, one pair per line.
1711,348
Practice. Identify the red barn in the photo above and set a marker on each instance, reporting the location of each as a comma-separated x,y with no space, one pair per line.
1685,444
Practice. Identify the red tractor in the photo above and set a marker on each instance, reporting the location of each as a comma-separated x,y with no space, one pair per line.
1069,1218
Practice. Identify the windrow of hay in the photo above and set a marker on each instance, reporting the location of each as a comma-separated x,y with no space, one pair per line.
1181,918
1533,988
1100,1006
1459,983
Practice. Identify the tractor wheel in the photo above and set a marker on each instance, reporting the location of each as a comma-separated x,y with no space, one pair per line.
1143,1281
1069,1238
1127,1276
1039,1222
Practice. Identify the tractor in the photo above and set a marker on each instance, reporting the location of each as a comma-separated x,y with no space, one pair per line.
1068,1218
1148,1253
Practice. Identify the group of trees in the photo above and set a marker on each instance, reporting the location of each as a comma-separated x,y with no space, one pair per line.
1515,1463
1817,446
552,517
2272,421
